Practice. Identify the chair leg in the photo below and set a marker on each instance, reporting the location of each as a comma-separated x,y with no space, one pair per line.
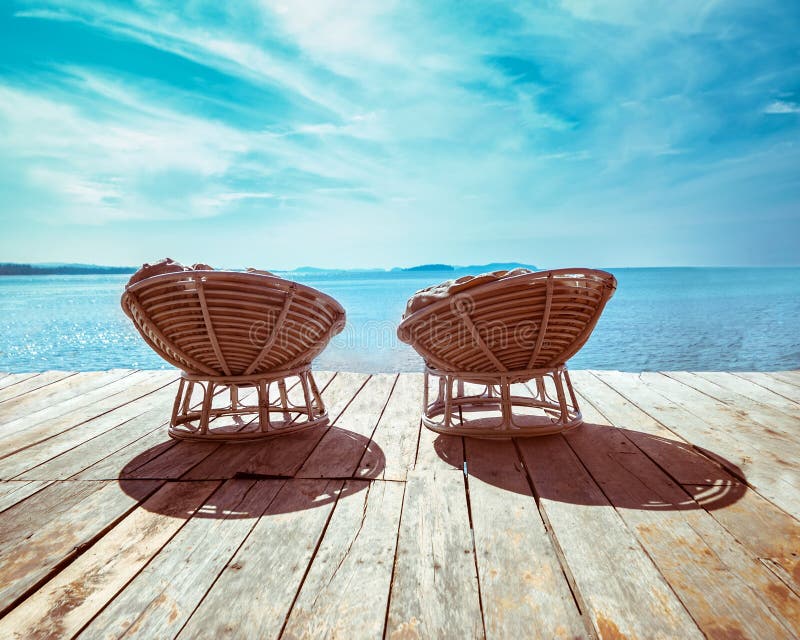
562,400
187,399
234,391
178,400
571,391
307,395
426,383
318,403
205,414
541,391
263,406
448,401
506,408
284,399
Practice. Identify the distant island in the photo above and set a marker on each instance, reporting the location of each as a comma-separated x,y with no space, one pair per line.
57,268
14,269
492,266
431,267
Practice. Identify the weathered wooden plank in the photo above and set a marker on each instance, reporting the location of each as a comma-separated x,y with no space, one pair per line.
91,451
735,426
771,549
345,592
724,588
51,527
766,426
104,451
742,393
435,587
284,456
671,452
38,454
759,525
397,435
791,377
624,594
254,593
122,462
74,596
21,434
12,378
773,480
749,517
32,383
439,452
85,406
340,449
524,591
160,599
751,390
52,394
779,384
158,460
13,492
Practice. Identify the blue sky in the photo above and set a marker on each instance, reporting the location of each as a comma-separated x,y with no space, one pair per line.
344,134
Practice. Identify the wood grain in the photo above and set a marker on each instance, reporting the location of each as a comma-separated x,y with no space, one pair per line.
160,599
254,593
625,595
73,597
524,591
435,586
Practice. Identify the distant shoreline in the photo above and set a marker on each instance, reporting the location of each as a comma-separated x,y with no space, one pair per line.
60,270
21,269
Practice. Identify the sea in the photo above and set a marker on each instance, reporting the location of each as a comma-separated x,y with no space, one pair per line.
694,319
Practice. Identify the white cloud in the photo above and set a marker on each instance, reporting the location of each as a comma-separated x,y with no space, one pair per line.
97,166
782,106
361,31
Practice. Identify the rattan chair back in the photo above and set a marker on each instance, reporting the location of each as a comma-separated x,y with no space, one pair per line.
224,323
529,321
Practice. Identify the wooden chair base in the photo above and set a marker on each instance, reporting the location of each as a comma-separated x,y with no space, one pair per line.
267,418
484,405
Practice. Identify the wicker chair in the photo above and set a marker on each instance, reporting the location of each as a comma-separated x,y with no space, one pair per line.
231,330
488,337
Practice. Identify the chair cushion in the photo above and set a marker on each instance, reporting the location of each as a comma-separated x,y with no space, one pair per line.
429,295
168,265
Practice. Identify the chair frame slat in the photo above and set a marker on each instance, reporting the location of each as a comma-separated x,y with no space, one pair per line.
275,331
210,326
464,315
545,317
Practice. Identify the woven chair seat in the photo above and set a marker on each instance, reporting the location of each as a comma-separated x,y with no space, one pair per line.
504,329
227,329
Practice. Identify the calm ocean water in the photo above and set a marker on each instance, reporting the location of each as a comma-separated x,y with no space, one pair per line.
659,319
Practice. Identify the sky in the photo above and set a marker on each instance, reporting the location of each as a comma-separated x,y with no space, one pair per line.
345,134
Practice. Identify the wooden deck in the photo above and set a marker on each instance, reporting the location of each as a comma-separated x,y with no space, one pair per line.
672,513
